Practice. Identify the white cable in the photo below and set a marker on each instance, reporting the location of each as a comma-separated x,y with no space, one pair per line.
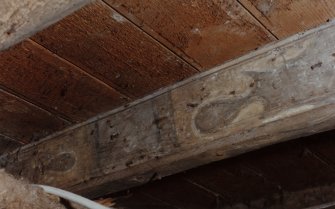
72,197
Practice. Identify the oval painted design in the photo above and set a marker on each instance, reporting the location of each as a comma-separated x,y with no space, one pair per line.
212,117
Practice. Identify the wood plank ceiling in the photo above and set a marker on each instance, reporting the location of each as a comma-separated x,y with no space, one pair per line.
114,51
290,175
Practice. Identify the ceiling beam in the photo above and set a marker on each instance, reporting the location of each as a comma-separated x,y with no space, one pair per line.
280,92
21,19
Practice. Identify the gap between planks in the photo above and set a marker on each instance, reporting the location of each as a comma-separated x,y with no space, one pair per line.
258,20
160,40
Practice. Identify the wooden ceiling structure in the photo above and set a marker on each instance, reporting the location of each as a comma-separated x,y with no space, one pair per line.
109,53
66,82
292,175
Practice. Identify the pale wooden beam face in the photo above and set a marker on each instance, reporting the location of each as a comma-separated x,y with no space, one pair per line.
20,19
283,91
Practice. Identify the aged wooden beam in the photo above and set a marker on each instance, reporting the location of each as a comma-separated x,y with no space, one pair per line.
280,92
20,19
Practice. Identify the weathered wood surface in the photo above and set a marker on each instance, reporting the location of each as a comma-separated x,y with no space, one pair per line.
23,122
50,82
287,17
278,93
105,44
20,19
206,33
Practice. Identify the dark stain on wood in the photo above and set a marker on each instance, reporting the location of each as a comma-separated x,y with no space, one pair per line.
105,44
317,65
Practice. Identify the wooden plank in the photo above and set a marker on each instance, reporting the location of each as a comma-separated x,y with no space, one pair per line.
208,32
237,185
320,197
105,44
287,17
39,76
8,144
233,181
141,201
20,19
281,92
25,122
175,191
294,160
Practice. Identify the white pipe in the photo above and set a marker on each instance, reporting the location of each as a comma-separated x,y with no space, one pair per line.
72,197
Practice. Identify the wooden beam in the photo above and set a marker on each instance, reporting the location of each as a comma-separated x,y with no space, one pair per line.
21,19
283,91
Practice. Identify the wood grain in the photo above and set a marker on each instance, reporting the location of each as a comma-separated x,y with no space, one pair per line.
25,122
233,181
238,183
276,94
20,19
208,32
304,169
36,74
287,17
105,44
174,192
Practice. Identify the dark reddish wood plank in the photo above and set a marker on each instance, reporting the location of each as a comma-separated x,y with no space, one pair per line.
8,144
105,44
291,165
323,146
180,193
233,181
36,74
287,17
139,200
209,32
25,122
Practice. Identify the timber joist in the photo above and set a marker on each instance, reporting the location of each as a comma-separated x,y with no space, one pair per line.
280,92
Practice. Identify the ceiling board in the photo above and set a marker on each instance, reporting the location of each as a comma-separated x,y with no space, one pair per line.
105,44
25,122
209,32
30,70
287,17
308,169
230,178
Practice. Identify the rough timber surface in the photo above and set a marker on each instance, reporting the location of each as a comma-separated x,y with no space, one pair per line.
281,92
21,19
